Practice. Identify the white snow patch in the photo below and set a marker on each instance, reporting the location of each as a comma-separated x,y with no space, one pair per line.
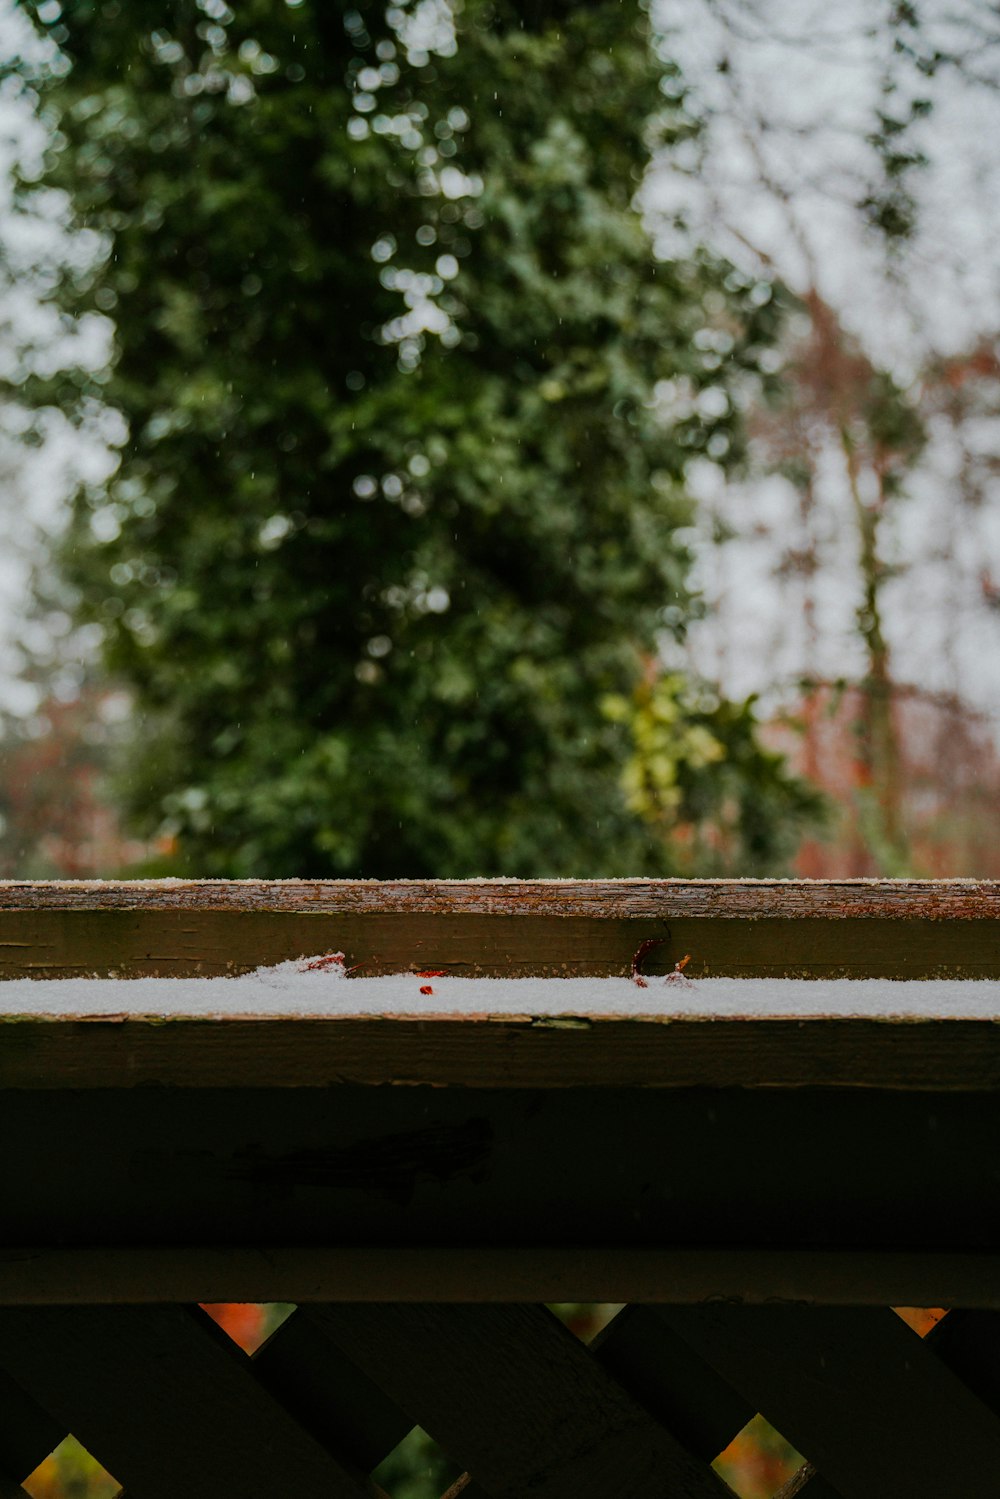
289,990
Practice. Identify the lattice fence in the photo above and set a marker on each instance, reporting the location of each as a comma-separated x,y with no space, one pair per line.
607,1149
171,1406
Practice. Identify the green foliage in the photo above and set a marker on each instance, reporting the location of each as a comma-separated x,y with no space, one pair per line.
890,206
416,1469
668,746
699,775
400,505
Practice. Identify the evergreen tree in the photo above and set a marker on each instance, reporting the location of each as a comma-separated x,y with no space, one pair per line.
410,401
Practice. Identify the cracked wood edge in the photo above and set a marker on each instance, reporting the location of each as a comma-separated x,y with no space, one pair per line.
629,899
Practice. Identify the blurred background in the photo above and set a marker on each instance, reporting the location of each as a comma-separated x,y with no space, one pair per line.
492,438
442,439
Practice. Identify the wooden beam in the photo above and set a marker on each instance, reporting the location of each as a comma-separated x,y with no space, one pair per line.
328,1394
574,1176
49,1053
513,1397
858,1394
164,1403
677,1386
847,928
659,1371
67,1277
54,943
605,899
670,1380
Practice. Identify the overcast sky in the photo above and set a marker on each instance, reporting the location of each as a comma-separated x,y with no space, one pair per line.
34,244
790,90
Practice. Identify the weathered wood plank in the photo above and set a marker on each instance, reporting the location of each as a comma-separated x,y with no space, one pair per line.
511,1395
680,1389
164,1404
624,899
478,1051
27,1433
53,942
103,1276
476,1171
857,1392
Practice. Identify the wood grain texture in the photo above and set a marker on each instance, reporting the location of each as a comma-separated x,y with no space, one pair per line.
53,943
806,1479
849,928
474,1051
164,1404
857,1393
809,1482
513,1397
624,899
663,1375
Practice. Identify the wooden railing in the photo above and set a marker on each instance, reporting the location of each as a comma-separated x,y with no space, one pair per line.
760,1184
